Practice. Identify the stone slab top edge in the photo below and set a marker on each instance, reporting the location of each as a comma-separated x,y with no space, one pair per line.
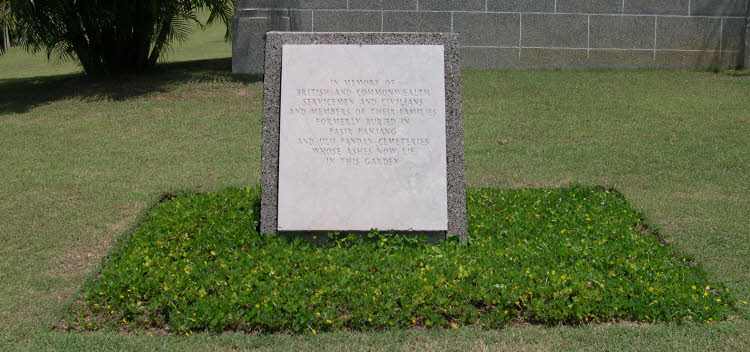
384,38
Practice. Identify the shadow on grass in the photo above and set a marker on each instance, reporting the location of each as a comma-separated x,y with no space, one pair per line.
19,95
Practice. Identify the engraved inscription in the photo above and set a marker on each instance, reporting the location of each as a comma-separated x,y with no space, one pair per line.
362,140
364,122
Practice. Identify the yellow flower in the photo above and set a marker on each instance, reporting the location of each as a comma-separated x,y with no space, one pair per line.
329,321
694,288
315,332
413,320
553,272
718,300
317,313
454,325
705,294
562,277
369,320
708,287
651,289
562,231
257,306
744,302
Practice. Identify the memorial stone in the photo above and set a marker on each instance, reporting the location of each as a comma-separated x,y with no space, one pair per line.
362,131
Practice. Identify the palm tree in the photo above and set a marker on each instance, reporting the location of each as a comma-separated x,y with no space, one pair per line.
7,23
113,36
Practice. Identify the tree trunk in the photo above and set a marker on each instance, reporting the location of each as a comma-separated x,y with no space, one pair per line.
160,41
6,38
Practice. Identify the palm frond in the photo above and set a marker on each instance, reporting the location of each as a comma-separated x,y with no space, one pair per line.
7,22
222,10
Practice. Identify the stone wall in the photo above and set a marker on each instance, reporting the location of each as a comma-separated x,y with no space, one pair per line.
521,34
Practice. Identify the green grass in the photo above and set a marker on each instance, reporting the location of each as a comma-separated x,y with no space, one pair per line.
562,256
80,159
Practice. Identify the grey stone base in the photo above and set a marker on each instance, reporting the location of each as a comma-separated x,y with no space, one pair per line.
249,29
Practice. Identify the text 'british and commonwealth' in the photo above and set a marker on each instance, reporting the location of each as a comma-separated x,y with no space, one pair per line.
366,122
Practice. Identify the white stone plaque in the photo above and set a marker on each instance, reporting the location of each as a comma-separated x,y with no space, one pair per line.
362,141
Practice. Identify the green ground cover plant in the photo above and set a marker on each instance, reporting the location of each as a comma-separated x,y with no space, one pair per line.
548,256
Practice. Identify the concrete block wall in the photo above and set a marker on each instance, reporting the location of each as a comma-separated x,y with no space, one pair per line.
522,34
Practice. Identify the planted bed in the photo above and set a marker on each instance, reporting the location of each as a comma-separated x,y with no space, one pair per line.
196,262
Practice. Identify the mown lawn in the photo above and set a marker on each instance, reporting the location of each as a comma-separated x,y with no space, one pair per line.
80,158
